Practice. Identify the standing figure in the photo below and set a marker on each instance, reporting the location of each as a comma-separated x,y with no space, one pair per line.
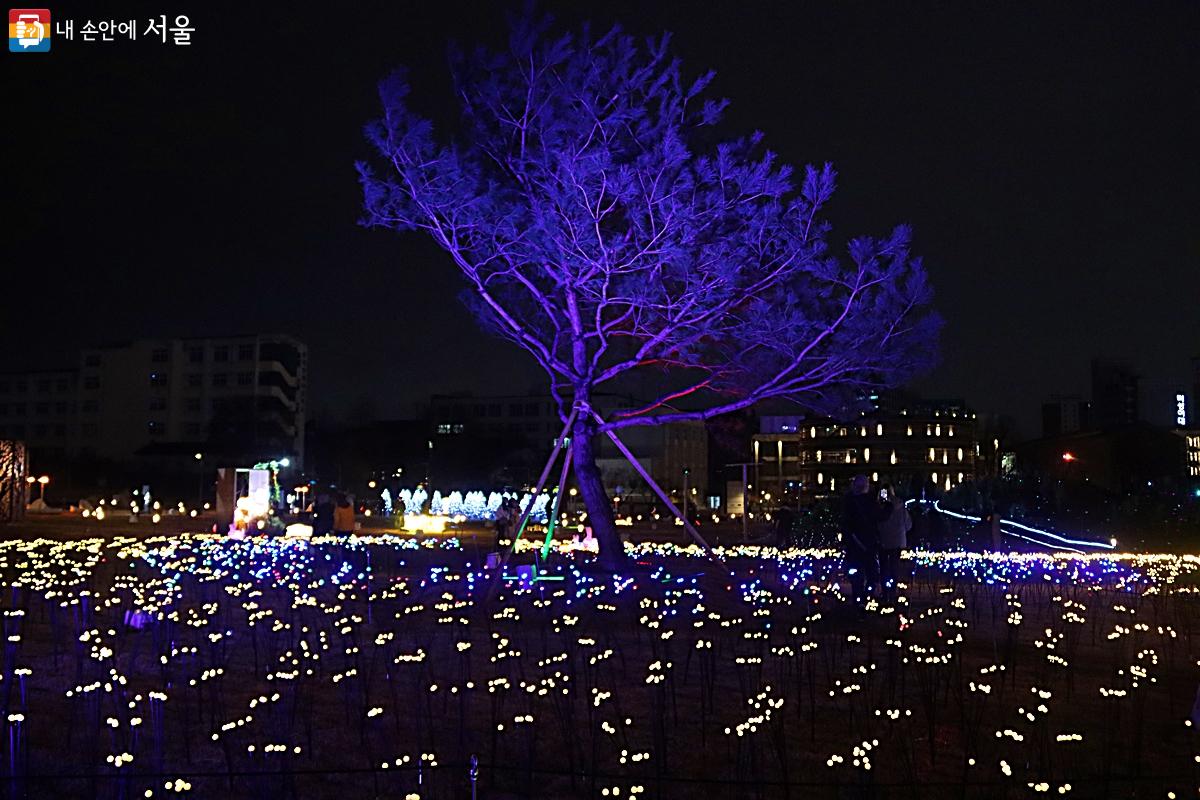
322,515
785,522
860,526
514,516
502,520
343,517
893,537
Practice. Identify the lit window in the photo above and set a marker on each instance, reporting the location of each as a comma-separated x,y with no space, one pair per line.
866,454
879,429
960,456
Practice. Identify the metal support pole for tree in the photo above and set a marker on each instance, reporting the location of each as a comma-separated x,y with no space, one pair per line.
560,444
552,520
695,534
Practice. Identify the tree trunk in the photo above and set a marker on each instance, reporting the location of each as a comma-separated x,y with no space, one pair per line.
595,499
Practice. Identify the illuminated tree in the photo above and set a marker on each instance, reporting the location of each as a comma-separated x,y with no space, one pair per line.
603,226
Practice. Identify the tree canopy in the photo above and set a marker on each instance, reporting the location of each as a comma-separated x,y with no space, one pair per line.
604,224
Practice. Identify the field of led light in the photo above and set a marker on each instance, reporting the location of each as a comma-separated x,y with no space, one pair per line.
195,666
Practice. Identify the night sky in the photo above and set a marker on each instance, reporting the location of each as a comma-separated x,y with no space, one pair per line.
1045,154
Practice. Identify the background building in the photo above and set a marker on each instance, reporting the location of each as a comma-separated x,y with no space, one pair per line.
1065,414
1137,459
40,408
531,416
239,398
494,440
916,445
675,455
1195,386
1114,394
1191,437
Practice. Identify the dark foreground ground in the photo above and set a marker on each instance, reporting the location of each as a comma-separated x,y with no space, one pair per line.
195,666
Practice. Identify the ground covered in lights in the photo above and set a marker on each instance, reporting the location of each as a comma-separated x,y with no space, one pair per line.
376,667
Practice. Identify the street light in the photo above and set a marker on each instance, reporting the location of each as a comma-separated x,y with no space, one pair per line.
41,482
303,492
200,490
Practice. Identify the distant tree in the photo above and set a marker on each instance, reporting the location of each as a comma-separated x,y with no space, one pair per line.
603,227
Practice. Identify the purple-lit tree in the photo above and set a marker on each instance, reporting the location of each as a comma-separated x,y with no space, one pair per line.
603,226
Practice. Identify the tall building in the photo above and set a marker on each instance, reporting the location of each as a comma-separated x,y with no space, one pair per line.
1114,394
466,426
529,416
1138,458
919,444
238,396
40,408
1193,419
1065,414
1191,455
675,455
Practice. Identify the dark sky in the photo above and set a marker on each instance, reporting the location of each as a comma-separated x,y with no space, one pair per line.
1045,153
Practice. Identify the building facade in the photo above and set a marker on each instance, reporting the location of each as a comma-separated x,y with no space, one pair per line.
928,445
1126,459
464,425
1191,437
40,408
241,394
1065,414
526,416
1114,394
675,456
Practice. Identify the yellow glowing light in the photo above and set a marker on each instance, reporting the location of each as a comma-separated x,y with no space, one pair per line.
425,523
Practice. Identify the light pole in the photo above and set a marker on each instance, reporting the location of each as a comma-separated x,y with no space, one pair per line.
685,491
41,482
200,490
